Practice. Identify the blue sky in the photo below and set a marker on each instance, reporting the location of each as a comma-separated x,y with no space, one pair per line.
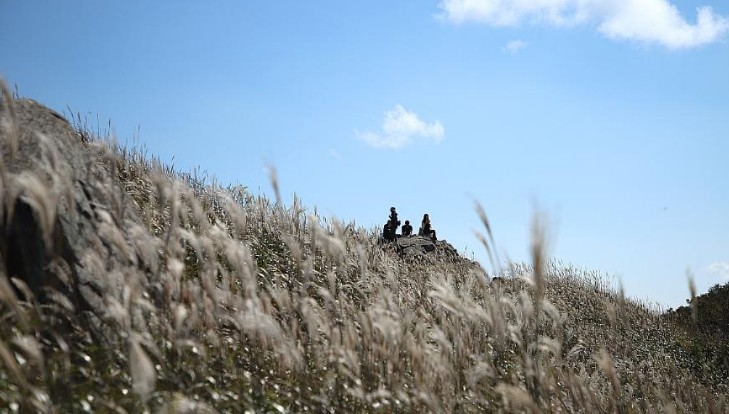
611,116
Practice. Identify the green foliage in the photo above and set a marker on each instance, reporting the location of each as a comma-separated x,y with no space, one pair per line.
706,338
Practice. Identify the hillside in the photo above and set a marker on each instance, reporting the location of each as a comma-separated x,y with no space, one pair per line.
704,323
129,287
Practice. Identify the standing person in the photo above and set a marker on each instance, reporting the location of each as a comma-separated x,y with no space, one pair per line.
390,229
425,229
407,229
394,222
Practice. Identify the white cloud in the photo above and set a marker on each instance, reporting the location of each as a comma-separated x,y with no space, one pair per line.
719,268
649,21
400,128
515,46
334,153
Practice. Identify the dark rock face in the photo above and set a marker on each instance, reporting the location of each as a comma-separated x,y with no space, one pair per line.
415,245
66,224
424,250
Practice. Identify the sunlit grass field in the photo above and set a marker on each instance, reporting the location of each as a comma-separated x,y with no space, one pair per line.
259,305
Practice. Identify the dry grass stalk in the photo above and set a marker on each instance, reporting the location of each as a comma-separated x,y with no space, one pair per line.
249,304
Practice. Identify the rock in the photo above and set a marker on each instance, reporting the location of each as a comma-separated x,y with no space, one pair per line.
422,249
66,224
415,245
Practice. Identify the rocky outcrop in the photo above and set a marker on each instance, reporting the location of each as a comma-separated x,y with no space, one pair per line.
423,250
66,225
415,245
419,247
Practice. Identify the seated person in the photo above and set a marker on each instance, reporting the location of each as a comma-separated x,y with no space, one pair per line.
407,229
426,230
388,232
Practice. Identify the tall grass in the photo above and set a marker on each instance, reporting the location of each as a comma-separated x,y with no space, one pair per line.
253,305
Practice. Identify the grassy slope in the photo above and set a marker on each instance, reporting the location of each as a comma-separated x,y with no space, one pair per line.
269,308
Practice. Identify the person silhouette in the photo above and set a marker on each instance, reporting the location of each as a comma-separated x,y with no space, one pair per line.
426,230
394,222
407,229
388,233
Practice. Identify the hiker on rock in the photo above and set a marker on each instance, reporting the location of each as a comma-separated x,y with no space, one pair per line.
407,229
426,230
394,222
388,233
